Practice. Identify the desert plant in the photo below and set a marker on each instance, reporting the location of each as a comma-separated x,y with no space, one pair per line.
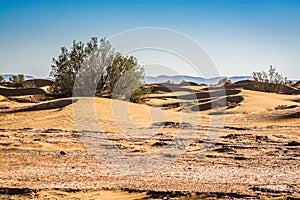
96,70
140,94
282,107
19,81
65,68
270,81
124,76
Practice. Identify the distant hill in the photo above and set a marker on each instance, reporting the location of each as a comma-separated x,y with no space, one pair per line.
164,78
179,78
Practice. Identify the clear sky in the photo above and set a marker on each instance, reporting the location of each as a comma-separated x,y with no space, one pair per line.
240,36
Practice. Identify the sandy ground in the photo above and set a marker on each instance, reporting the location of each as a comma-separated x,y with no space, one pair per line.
98,149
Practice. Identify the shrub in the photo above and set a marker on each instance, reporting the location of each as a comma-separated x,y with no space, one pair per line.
270,81
140,94
96,70
281,107
19,81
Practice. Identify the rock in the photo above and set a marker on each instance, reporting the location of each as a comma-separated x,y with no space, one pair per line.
62,153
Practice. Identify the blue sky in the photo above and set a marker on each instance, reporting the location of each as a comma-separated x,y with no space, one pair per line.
239,36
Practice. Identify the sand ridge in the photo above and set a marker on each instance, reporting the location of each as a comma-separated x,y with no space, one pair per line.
256,153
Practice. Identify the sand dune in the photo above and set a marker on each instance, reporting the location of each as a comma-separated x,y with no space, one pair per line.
252,85
255,102
256,154
3,98
40,82
64,118
297,85
21,92
49,105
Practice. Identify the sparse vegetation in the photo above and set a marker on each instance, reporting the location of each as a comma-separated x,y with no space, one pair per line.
140,94
270,81
281,107
96,70
19,81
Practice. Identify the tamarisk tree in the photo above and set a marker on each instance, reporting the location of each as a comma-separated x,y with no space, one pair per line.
270,81
95,69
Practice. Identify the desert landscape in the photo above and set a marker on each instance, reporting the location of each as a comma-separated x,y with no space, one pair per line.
46,154
149,100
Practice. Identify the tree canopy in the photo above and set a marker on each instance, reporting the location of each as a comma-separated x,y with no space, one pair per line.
95,69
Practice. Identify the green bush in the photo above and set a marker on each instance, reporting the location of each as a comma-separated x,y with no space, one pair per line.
96,70
140,94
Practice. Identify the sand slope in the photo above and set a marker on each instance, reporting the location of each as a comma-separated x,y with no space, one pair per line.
104,110
255,156
255,101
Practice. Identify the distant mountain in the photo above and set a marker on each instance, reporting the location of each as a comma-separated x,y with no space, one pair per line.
179,78
7,76
50,78
164,78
